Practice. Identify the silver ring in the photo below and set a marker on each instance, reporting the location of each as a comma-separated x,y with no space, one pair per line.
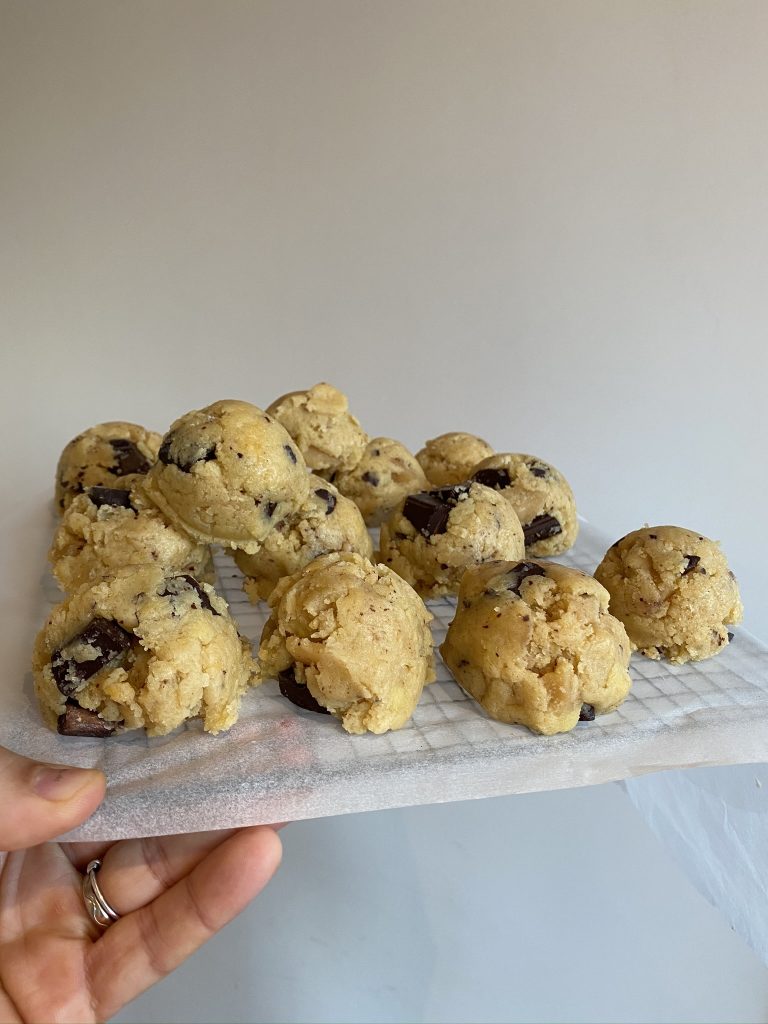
96,905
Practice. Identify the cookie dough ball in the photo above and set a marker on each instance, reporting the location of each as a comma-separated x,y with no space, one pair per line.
533,642
385,475
673,591
450,458
539,494
226,474
356,635
107,455
328,435
141,649
326,522
434,536
107,529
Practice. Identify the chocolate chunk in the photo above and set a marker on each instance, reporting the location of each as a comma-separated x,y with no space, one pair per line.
653,536
186,455
496,478
176,585
108,640
540,528
521,572
290,453
298,693
110,496
587,713
371,478
428,511
537,469
77,721
128,458
691,561
730,637
269,508
328,498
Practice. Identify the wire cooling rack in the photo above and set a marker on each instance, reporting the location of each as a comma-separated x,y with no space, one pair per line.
280,763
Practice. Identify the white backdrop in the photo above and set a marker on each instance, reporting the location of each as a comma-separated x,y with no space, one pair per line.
542,222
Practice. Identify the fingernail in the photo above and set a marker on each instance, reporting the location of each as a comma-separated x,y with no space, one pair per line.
58,782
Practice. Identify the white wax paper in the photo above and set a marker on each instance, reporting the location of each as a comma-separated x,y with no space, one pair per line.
281,764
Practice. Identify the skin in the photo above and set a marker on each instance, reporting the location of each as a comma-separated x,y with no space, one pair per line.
173,894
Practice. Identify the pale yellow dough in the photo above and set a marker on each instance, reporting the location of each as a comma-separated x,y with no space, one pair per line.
533,643
674,592
481,526
186,658
450,458
326,522
93,541
386,473
227,474
319,421
357,635
108,455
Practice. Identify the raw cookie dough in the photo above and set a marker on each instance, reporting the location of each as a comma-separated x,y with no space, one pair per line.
108,528
327,434
539,494
326,522
108,455
356,635
433,536
141,649
227,474
673,591
450,458
384,476
534,644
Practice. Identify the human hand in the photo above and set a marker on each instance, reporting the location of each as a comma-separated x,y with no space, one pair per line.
172,894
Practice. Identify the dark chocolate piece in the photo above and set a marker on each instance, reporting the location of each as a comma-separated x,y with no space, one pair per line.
496,478
520,572
691,561
537,469
188,456
540,528
587,713
176,585
298,693
128,458
77,721
269,508
428,511
328,498
110,496
290,453
110,642
730,636
371,478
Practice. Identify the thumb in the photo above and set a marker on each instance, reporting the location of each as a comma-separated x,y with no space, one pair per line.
40,801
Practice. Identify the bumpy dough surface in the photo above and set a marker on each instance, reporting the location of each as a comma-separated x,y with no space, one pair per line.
450,458
532,649
319,421
386,473
539,494
107,455
326,522
481,526
673,591
227,473
95,540
357,635
186,659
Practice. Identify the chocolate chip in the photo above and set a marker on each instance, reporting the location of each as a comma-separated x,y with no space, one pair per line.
540,528
428,511
77,721
371,478
653,536
496,478
109,641
328,498
298,693
537,469
185,455
109,496
587,713
520,572
290,453
691,561
176,585
128,458
730,637
269,509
